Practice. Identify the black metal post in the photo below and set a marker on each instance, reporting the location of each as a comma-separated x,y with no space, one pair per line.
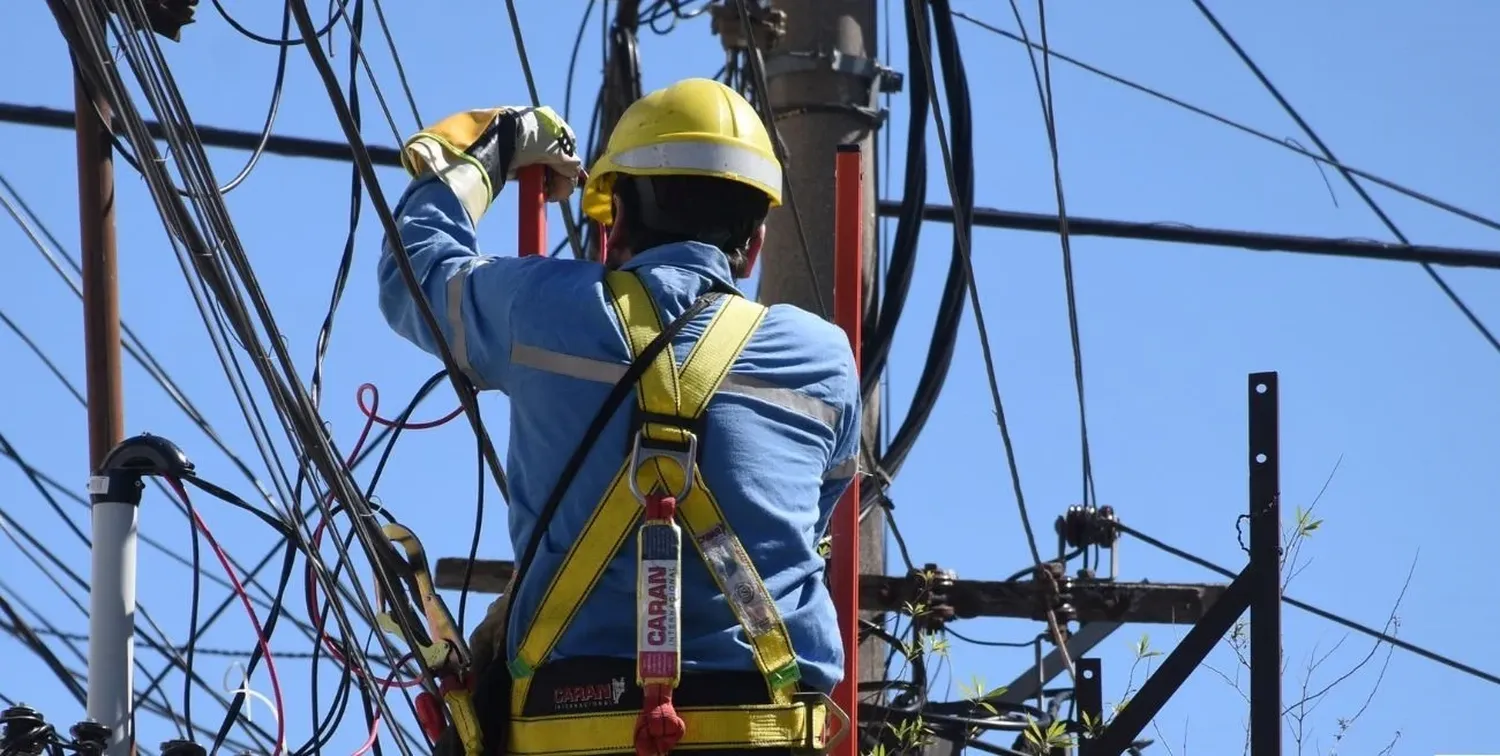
1265,565
1257,587
1089,694
1175,669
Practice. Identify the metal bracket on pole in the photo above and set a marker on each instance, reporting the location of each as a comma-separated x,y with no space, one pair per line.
1257,588
115,495
884,79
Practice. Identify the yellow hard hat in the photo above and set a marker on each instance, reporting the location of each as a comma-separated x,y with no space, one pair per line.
696,127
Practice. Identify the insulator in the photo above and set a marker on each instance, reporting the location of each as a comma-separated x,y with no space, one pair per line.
90,737
1084,526
17,725
182,748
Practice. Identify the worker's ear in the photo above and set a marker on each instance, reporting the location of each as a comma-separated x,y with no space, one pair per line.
615,252
752,250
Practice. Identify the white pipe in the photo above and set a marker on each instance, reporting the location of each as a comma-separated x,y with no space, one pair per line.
111,691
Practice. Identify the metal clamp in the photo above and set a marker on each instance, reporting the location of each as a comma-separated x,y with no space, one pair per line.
811,700
643,450
886,80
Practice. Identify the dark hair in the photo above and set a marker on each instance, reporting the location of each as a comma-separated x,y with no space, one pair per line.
665,209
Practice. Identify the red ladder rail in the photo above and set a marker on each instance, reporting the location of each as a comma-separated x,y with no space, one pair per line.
848,308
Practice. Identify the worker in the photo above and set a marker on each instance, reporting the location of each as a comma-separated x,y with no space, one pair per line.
677,597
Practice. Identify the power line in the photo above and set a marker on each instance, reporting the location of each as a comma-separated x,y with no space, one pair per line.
1349,177
1284,143
1182,233
1323,613
988,217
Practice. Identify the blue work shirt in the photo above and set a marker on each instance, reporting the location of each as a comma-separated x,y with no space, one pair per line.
778,448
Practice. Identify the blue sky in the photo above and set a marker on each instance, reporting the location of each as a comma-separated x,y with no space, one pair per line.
1380,375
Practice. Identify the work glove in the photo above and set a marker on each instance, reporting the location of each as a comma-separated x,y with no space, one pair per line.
487,642
476,151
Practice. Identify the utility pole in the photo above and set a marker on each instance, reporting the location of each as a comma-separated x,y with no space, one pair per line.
110,683
115,498
822,81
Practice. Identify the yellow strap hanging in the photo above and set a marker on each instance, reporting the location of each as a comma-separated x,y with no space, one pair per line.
664,393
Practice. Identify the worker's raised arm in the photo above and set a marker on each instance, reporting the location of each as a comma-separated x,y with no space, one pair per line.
458,165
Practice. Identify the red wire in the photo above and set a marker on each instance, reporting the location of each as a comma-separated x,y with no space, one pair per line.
385,687
370,412
310,578
239,589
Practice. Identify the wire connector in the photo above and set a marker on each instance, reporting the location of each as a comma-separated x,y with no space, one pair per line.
167,17
767,25
118,478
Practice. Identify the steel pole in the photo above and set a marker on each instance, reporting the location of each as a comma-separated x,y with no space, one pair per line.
113,560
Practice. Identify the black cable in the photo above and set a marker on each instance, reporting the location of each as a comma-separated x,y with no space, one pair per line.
277,86
1031,570
390,41
463,592
131,343
233,653
46,361
1285,143
961,187
1348,176
356,195
879,339
325,730
960,183
989,643
1044,95
536,101
462,388
41,649
194,604
144,695
602,416
583,25
1323,613
285,40
10,452
277,604
768,117
60,566
85,31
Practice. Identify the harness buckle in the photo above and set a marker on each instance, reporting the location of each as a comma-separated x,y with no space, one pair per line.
810,700
685,454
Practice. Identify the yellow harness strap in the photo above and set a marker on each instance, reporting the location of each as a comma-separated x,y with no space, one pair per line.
671,402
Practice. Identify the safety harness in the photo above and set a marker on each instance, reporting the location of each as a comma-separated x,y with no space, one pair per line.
658,493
